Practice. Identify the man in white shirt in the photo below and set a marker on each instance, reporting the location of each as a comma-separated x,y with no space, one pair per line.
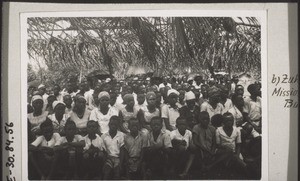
252,107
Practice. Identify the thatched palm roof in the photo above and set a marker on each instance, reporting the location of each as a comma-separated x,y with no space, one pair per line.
163,44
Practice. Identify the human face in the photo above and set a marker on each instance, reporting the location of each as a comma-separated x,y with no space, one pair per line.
86,85
68,100
257,90
151,101
97,89
248,128
198,81
37,104
129,90
181,95
133,126
42,90
51,99
134,87
204,121
181,125
117,89
80,104
197,93
173,98
204,93
113,125
82,86
47,132
235,80
70,130
130,103
228,121
214,99
60,109
156,125
69,86
113,99
239,90
141,98
190,103
104,101
158,98
240,101
92,128
56,90
203,88
142,89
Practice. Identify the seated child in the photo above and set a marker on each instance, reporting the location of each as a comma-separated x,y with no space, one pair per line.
217,120
134,143
113,141
69,150
228,140
41,153
181,139
93,156
204,139
156,155
251,149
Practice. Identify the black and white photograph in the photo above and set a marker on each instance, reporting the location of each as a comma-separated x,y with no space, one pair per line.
146,96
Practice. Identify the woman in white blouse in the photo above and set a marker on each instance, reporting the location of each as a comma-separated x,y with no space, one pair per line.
237,109
38,115
104,112
80,114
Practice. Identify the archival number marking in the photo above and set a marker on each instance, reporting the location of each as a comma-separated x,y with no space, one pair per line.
10,149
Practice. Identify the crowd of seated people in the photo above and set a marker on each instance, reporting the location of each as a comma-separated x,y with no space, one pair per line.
138,128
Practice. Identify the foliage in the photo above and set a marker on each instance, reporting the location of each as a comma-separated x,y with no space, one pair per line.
163,44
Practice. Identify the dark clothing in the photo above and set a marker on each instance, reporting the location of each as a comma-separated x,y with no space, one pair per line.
192,116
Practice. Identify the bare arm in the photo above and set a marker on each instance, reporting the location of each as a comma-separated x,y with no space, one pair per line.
167,123
141,118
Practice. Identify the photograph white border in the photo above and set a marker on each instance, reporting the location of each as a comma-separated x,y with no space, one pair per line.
262,14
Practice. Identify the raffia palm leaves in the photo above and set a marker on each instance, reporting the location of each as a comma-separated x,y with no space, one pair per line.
161,42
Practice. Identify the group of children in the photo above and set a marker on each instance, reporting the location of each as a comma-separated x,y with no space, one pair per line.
144,130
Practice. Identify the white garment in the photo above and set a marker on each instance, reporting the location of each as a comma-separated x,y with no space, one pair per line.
205,106
163,85
90,102
187,137
36,121
253,108
55,122
197,86
60,97
228,105
170,113
229,141
97,142
113,145
41,141
103,120
63,139
119,100
80,122
237,115
142,106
